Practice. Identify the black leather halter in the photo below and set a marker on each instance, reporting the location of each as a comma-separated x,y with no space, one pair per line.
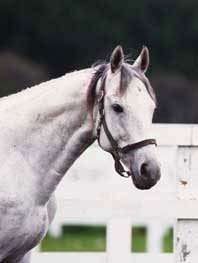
116,150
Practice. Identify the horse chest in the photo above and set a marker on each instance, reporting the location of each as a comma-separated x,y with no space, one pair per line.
21,227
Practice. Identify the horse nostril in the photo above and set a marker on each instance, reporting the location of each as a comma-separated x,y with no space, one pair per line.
149,171
144,169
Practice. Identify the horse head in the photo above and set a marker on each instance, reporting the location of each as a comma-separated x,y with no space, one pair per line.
126,104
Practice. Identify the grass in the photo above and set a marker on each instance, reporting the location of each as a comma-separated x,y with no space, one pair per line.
77,238
168,241
139,239
93,239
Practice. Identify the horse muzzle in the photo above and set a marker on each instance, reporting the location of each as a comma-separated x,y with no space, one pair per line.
147,175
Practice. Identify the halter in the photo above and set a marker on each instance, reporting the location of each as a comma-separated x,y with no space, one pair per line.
116,150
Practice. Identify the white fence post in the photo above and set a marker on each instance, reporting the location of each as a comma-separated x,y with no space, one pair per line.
119,240
155,231
186,232
55,229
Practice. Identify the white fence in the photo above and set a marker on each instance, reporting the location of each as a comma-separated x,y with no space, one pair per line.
93,192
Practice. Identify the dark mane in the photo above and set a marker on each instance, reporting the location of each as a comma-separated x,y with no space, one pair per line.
91,91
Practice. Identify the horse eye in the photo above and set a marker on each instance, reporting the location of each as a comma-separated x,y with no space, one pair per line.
117,108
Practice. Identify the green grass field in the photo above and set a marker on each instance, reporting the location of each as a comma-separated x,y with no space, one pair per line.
93,238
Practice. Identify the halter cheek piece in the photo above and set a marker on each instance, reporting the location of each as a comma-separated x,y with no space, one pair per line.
116,150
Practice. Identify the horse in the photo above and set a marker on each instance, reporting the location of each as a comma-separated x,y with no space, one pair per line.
44,129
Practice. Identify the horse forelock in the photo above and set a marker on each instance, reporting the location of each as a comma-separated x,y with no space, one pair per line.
127,74
147,84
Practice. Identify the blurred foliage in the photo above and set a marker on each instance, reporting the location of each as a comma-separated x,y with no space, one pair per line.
139,238
68,34
93,238
168,241
17,73
77,238
64,35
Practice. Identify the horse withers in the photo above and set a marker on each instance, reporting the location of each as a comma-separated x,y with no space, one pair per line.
44,129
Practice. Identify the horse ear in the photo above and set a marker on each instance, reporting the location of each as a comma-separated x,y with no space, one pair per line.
117,58
142,62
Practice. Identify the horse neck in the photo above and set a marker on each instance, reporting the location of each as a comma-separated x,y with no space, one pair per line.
59,130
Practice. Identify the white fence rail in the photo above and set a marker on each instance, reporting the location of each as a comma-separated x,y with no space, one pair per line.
98,258
92,193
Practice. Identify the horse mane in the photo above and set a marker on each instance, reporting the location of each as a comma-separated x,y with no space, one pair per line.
91,91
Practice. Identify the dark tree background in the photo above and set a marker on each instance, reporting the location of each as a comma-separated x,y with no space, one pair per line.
41,39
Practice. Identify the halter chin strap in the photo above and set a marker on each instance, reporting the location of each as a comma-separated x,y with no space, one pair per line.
116,150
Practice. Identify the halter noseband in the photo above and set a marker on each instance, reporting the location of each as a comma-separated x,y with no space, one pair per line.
116,150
